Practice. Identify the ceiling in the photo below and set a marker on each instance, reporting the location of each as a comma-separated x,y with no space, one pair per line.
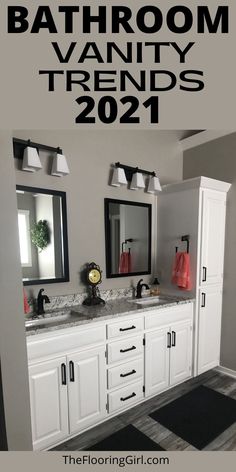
186,133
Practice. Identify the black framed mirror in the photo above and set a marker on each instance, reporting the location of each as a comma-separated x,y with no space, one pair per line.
127,237
42,224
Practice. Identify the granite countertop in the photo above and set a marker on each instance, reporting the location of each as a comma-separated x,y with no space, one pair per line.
80,315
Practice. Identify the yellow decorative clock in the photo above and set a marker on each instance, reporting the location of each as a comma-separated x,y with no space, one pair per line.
93,278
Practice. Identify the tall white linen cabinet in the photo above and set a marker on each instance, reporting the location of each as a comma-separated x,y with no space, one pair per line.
196,207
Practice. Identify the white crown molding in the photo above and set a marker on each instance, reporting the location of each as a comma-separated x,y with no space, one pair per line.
196,182
204,137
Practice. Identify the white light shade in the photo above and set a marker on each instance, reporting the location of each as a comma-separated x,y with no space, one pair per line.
154,185
137,181
59,166
118,177
31,161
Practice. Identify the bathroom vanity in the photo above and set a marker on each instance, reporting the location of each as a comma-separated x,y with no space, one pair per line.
95,366
92,363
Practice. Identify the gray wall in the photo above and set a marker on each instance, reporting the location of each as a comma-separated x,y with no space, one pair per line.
90,155
217,159
12,331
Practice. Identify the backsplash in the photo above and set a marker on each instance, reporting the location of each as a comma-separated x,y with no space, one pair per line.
63,301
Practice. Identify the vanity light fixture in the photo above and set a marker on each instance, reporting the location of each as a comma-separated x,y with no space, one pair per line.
59,165
123,174
28,151
118,177
31,160
137,181
154,185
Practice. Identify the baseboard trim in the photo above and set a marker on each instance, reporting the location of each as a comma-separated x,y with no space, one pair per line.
226,371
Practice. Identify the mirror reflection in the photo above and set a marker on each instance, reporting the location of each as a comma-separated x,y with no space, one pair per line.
42,235
128,238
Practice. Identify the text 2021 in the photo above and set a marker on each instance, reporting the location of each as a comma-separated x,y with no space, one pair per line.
107,110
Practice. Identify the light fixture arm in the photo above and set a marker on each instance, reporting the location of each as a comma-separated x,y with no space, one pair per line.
129,171
19,146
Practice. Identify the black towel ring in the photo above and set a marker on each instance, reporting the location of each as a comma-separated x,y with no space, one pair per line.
130,240
185,238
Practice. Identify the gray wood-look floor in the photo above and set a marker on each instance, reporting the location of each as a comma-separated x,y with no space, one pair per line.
138,417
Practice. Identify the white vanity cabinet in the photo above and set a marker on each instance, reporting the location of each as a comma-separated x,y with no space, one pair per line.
210,285
74,384
197,207
81,376
157,362
180,352
209,327
48,400
212,237
168,353
125,357
67,393
86,388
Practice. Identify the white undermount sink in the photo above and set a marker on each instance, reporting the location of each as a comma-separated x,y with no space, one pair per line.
159,300
68,316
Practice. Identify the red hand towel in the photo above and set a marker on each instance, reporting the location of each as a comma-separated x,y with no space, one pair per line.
26,304
181,271
125,263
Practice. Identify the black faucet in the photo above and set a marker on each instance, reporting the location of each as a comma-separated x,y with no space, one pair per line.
40,300
139,288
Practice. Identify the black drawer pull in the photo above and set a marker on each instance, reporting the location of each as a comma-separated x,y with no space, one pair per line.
127,329
129,373
63,374
72,371
169,340
127,398
204,274
203,300
129,349
173,339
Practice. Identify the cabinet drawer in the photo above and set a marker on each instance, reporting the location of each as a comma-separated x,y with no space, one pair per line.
122,350
168,316
53,344
124,328
125,396
124,373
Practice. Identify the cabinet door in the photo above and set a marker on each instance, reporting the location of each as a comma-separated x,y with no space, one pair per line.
212,241
181,352
209,328
48,399
157,361
87,390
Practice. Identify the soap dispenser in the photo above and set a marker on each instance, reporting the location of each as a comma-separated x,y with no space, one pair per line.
155,288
